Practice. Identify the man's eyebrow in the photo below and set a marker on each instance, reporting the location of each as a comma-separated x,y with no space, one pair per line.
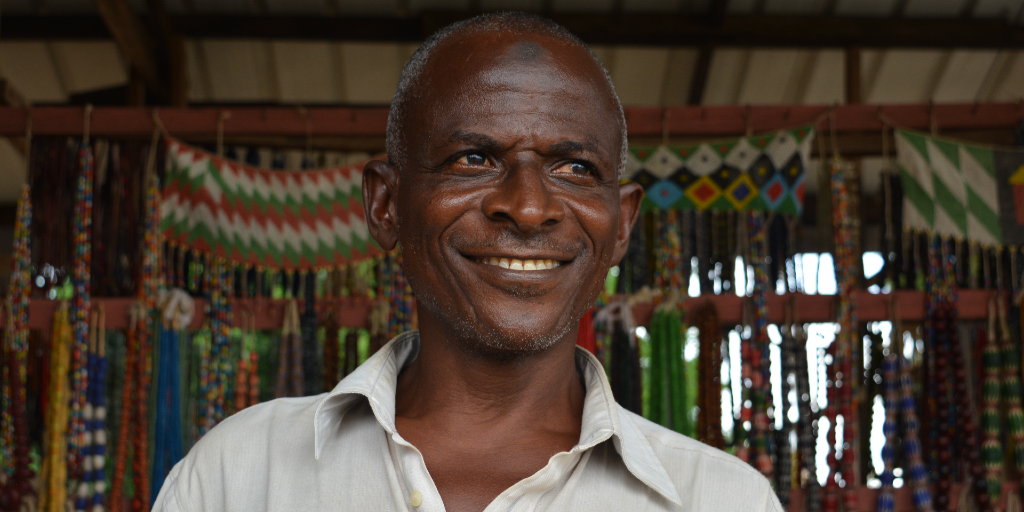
471,138
569,147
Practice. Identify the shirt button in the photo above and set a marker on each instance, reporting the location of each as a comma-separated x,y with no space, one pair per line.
416,498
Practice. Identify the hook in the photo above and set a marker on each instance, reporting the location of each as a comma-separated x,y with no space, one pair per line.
88,122
221,117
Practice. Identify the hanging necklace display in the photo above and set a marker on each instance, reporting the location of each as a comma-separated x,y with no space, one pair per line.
667,380
52,496
842,392
167,437
1011,388
668,252
92,486
709,369
82,270
312,365
126,414
807,433
899,403
16,474
290,380
784,458
991,447
760,366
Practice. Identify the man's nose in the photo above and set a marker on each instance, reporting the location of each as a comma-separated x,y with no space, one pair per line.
524,198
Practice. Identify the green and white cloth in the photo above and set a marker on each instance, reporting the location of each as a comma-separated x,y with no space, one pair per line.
964,191
272,219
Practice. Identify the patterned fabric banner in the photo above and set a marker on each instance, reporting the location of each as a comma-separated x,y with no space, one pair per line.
762,173
961,190
272,219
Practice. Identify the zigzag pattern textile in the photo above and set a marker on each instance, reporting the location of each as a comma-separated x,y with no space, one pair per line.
254,217
962,191
760,173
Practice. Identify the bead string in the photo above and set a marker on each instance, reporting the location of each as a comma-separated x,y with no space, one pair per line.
709,369
991,448
54,472
806,425
15,474
80,309
759,357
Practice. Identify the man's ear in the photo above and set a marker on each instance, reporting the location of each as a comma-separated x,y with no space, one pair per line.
630,196
380,191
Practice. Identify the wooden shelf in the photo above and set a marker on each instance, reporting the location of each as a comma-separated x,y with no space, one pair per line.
354,312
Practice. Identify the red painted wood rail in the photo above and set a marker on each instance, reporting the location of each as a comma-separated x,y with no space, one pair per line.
354,312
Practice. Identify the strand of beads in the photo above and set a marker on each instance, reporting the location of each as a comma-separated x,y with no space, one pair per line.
290,380
709,369
332,352
93,485
82,267
991,449
843,222
140,440
1011,388
16,474
168,449
969,453
760,366
784,461
807,433
126,415
54,468
944,423
921,493
668,252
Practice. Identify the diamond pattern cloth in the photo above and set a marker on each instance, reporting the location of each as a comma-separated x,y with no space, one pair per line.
762,173
961,190
273,219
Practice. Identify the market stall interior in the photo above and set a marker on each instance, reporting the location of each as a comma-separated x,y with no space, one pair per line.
826,279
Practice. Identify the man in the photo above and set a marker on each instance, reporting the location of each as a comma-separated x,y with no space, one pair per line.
506,141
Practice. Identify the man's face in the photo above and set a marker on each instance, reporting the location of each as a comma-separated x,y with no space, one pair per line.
509,210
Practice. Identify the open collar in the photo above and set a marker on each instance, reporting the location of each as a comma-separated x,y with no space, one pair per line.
377,381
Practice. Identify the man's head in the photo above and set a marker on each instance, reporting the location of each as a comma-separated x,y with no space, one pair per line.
505,143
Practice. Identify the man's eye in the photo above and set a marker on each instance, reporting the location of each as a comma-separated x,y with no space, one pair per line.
473,159
575,169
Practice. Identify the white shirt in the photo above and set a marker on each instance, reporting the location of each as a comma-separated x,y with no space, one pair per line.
341,451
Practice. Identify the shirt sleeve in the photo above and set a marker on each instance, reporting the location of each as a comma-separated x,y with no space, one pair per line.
771,501
167,500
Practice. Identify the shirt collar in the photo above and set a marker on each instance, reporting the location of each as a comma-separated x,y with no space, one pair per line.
377,379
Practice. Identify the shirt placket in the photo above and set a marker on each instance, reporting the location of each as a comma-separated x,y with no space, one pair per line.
421,494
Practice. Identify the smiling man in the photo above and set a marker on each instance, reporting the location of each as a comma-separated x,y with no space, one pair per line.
506,141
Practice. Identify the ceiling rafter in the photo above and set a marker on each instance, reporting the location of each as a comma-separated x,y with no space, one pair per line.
626,28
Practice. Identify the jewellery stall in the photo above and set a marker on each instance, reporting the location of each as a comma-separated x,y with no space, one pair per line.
173,266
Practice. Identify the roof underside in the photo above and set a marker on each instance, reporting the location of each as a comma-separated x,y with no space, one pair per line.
328,72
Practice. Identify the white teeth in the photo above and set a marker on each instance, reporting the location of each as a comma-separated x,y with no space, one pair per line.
514,264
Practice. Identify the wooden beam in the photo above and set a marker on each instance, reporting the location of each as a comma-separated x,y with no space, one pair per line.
627,28
851,60
699,82
683,121
133,40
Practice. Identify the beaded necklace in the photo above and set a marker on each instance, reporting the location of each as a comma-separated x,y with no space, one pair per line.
1012,387
668,252
15,474
899,401
332,351
709,369
167,439
668,382
784,460
54,466
93,485
312,366
290,380
140,421
760,366
807,433
80,309
127,414
991,448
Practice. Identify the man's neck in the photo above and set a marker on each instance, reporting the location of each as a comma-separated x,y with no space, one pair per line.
451,384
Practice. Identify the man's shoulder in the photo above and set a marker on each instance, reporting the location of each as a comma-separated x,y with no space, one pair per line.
682,455
283,420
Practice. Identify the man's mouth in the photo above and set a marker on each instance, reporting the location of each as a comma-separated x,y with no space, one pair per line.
517,264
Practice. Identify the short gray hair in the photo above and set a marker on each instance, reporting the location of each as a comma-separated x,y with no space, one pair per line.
513,22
